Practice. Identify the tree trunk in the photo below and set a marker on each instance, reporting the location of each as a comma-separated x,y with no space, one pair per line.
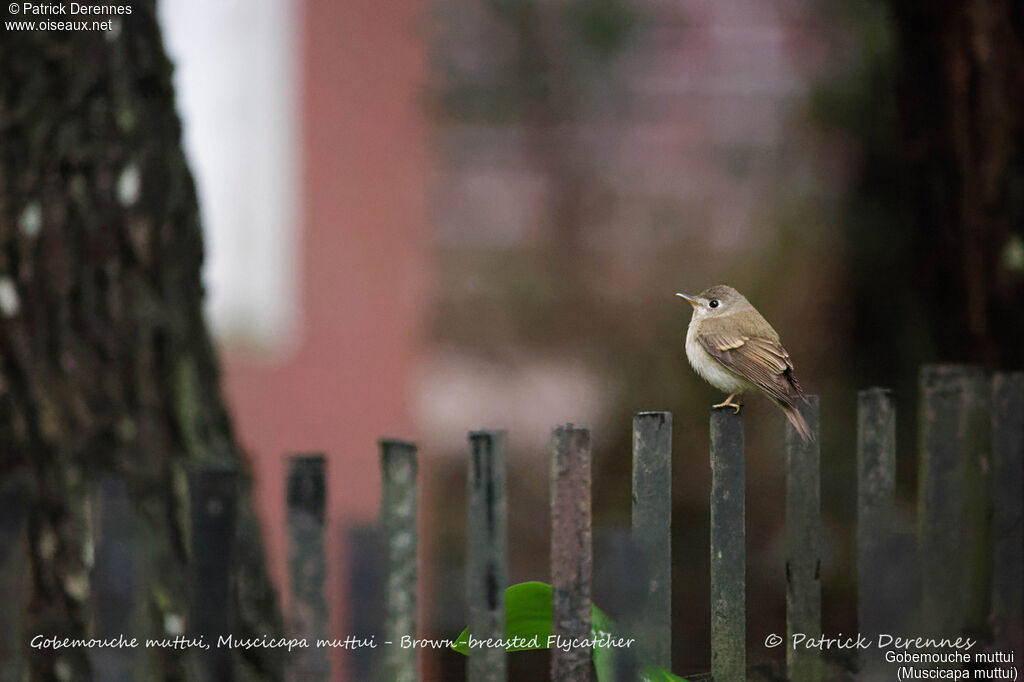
961,75
106,365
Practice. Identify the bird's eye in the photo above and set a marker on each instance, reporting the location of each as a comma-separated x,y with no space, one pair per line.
713,303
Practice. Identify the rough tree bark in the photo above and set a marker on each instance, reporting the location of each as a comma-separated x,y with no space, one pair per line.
106,365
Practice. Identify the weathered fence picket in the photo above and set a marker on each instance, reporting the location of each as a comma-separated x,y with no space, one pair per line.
398,515
952,498
15,586
803,544
728,547
652,532
876,498
115,580
367,570
620,587
1008,511
213,493
571,551
976,429
487,553
307,568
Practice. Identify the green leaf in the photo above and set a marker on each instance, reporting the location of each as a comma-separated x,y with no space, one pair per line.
604,663
528,626
527,616
651,673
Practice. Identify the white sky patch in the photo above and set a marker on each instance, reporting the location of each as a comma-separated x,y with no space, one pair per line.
237,84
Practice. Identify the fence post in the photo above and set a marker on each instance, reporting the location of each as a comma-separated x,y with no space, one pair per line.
115,579
365,594
652,532
306,565
213,493
803,544
728,547
487,553
1008,511
620,587
953,499
398,517
15,587
876,496
571,551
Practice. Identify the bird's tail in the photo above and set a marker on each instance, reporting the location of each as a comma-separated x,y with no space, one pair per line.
798,422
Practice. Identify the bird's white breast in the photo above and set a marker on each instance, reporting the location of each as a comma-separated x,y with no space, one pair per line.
710,369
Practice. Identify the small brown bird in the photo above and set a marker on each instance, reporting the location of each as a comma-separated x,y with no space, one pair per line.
735,350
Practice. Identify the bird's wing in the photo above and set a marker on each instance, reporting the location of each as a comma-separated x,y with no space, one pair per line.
763,362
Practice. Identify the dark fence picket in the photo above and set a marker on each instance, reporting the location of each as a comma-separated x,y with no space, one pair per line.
803,544
876,499
307,567
213,495
571,551
652,533
366,558
620,587
115,580
1008,512
487,553
953,501
728,547
15,572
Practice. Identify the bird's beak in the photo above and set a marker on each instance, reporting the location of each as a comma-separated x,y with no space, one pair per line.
689,299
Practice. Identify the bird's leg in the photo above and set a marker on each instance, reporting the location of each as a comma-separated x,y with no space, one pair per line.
729,403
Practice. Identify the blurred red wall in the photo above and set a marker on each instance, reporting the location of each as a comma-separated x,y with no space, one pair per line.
363,275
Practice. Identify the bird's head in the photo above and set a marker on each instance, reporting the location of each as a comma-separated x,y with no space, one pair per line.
717,301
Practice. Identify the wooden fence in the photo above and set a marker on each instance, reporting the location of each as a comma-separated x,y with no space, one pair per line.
965,561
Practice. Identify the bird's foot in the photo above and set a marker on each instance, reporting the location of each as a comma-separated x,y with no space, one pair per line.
729,403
